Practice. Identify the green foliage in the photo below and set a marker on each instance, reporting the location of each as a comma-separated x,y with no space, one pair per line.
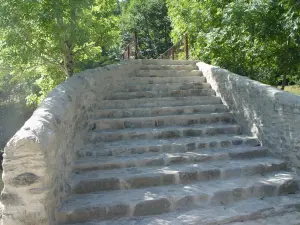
258,38
50,40
149,20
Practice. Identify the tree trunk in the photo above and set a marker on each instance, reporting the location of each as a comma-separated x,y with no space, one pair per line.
135,45
68,60
283,82
69,43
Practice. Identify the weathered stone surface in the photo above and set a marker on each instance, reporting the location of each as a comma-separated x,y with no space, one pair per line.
165,153
38,159
121,142
264,111
24,179
152,207
93,181
10,199
162,199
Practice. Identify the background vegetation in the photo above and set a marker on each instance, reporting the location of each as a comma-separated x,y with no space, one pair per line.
256,38
149,20
43,42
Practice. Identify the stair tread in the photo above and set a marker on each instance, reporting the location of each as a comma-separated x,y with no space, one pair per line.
154,92
171,107
171,79
158,102
290,218
172,84
156,142
154,70
181,116
166,98
167,62
168,86
167,128
173,169
123,159
168,73
149,112
168,77
126,95
173,192
245,212
164,132
169,67
158,70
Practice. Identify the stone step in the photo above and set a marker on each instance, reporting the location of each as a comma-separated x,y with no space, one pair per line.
158,111
166,87
164,132
158,102
173,145
154,94
161,62
161,121
163,199
169,67
278,210
162,80
168,73
140,177
165,159
280,218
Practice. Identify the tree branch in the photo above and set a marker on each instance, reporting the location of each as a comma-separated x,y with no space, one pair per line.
84,47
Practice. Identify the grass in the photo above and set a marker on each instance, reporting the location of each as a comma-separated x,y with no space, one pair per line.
294,89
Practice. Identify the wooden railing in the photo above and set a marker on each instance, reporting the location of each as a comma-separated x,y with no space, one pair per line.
131,50
178,51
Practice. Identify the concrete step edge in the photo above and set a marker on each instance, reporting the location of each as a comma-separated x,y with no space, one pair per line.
165,159
177,145
181,93
161,121
238,213
165,111
143,177
165,132
158,200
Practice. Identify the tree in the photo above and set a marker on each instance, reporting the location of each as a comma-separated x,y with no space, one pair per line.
55,33
148,19
257,38
54,39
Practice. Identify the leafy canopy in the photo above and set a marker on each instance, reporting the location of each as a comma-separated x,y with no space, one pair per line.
255,38
149,20
51,40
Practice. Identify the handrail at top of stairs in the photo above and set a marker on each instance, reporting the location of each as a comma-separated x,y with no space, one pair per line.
177,48
131,49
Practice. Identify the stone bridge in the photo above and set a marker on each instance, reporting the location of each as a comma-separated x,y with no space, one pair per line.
156,142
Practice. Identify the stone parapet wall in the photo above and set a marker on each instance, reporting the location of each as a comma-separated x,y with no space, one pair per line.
264,111
38,159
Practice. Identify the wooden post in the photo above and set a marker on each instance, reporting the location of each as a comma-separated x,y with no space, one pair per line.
186,47
283,82
128,51
135,45
172,53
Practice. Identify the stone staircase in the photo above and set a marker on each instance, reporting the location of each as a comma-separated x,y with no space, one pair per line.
165,150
